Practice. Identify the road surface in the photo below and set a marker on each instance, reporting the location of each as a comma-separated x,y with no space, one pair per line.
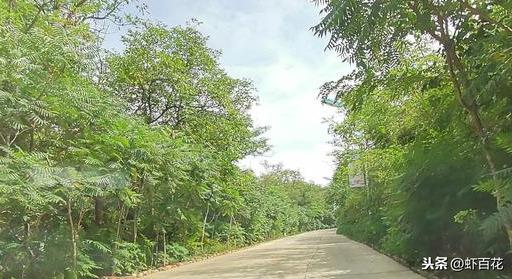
317,254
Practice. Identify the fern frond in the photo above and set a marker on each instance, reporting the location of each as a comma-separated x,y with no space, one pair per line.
494,223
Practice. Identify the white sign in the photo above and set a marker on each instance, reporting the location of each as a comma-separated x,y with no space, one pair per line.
355,176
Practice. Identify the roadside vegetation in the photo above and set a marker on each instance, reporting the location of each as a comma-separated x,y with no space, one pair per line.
428,120
116,162
113,163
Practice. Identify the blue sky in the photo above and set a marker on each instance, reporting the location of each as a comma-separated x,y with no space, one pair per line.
269,42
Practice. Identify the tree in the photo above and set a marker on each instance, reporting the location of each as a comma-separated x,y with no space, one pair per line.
473,37
170,77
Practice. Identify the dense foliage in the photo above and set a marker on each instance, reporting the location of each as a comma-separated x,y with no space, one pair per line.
428,113
111,163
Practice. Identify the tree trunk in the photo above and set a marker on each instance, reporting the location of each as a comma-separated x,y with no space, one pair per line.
155,253
230,226
204,225
99,205
118,232
135,217
136,210
165,248
460,81
119,221
74,253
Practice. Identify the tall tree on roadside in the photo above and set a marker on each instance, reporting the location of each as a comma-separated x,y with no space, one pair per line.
169,76
474,38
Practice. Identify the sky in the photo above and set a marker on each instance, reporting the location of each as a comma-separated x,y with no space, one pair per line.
269,42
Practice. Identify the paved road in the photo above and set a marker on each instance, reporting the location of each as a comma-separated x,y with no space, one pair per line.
317,254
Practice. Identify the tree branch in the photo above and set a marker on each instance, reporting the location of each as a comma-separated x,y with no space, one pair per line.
484,16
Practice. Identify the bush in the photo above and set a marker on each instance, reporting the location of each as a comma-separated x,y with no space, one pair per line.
177,252
128,258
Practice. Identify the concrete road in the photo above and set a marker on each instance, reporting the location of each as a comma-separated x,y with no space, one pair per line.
317,254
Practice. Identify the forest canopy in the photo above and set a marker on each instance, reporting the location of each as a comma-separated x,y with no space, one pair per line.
116,162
